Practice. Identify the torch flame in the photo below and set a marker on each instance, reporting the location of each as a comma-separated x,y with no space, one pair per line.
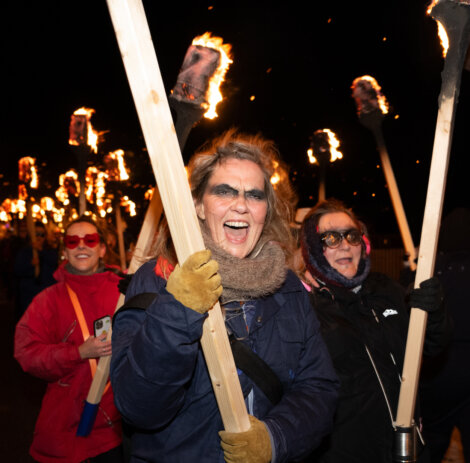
69,185
312,159
128,205
441,32
47,203
27,171
321,145
214,95
95,188
275,178
91,135
4,216
18,206
368,95
334,143
118,156
148,194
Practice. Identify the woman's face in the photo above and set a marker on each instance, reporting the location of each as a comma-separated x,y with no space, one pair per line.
83,258
345,258
234,206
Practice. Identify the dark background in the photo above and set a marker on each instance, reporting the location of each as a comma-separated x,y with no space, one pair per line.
297,58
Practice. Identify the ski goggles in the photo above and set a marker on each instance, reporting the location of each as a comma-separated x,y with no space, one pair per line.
72,241
334,238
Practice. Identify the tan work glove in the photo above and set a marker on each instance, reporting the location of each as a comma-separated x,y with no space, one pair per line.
252,446
196,284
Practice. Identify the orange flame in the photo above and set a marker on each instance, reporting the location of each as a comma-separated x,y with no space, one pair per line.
18,206
27,171
6,205
368,95
22,192
95,188
148,194
214,96
69,185
311,158
4,216
91,135
128,205
441,31
334,143
121,174
47,203
275,178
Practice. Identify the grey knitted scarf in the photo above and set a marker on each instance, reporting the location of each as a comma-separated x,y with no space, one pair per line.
255,276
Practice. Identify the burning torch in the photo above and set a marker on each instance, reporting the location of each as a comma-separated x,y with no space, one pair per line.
372,107
454,18
116,172
322,151
84,139
68,190
28,178
195,95
197,89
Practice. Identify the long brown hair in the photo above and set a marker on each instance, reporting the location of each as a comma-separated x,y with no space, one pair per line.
281,198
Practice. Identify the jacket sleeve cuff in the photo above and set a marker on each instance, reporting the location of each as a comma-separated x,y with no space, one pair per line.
278,447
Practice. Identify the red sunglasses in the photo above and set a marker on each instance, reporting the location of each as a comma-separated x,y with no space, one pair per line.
72,241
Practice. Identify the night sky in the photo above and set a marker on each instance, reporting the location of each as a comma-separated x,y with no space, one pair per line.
298,59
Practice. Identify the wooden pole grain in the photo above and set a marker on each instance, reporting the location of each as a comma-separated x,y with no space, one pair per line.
140,62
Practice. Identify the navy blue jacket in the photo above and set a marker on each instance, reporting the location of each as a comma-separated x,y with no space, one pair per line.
162,387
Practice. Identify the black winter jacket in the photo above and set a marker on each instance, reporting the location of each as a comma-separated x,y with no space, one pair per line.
377,318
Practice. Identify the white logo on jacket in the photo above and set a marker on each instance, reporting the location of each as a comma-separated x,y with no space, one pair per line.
389,312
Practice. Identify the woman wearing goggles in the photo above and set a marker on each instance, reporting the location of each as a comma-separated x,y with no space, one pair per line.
364,321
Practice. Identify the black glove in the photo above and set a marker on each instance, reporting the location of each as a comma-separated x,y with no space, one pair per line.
428,296
124,282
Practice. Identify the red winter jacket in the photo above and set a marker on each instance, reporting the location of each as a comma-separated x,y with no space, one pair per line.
47,338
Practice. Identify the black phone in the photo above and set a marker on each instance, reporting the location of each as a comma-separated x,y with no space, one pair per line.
102,325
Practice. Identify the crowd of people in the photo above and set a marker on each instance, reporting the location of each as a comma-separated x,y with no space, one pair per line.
318,337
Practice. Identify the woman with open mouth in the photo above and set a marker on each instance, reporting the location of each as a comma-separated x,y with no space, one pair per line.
162,386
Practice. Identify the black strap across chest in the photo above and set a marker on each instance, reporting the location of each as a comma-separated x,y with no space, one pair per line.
245,359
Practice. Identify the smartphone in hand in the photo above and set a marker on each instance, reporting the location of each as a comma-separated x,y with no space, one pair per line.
102,325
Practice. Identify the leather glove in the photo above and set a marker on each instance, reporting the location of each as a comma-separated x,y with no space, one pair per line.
196,284
252,446
428,296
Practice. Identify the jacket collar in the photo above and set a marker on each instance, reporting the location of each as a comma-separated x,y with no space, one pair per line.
267,307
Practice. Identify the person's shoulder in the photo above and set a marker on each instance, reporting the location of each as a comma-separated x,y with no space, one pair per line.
48,296
379,283
146,270
292,283
145,279
380,279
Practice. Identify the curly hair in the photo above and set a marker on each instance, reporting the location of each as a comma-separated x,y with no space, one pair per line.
281,198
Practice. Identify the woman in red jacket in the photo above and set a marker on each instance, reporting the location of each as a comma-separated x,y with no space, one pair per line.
54,341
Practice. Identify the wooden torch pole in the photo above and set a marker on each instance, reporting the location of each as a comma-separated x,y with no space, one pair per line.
146,84
135,43
373,121
455,17
120,232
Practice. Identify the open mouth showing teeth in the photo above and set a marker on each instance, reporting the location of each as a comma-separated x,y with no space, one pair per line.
236,225
235,231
